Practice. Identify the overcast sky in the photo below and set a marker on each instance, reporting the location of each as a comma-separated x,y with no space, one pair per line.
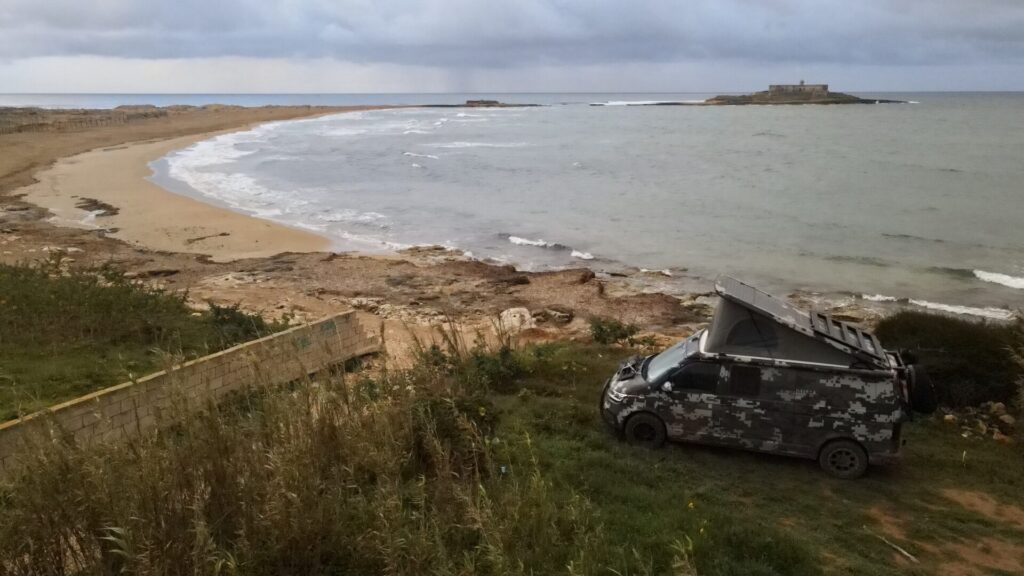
507,45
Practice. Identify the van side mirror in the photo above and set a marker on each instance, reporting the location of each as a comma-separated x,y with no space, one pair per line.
667,386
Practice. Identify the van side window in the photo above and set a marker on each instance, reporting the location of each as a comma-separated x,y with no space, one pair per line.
699,376
744,380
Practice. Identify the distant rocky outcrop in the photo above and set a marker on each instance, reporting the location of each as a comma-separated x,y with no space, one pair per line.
795,94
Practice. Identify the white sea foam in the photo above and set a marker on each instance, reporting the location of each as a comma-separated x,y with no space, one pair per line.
997,278
415,131
582,255
665,272
353,216
993,313
415,155
527,242
479,145
878,298
415,165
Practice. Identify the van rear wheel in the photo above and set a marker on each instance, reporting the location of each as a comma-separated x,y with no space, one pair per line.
843,459
645,430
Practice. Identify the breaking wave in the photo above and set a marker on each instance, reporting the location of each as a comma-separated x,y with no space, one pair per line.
415,155
992,313
539,243
582,255
997,278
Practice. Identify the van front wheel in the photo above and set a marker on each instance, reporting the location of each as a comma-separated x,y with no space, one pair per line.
843,459
645,430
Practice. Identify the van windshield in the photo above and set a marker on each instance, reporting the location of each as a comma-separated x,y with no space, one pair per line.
658,366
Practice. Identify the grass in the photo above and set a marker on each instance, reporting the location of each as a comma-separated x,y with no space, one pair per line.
64,334
477,462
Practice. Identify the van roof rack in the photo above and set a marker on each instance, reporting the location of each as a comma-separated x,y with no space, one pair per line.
860,344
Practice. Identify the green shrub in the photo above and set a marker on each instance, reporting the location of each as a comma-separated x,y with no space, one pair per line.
611,331
970,362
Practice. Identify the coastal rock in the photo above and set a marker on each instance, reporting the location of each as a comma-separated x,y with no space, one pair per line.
1001,438
1007,421
950,419
368,304
553,315
517,320
997,408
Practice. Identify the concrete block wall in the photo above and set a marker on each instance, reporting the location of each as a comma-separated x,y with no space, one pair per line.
114,413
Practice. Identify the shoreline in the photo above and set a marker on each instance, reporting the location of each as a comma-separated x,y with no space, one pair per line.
106,192
142,213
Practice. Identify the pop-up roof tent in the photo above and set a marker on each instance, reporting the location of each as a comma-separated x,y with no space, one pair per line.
749,322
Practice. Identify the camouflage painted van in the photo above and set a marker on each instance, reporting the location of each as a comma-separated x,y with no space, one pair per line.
770,377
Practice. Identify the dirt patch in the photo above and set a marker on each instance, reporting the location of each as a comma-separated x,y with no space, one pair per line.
888,524
982,557
987,506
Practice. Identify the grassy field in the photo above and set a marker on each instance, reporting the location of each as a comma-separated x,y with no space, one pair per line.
65,334
749,513
494,463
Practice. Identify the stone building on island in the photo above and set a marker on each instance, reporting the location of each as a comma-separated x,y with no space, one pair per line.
798,91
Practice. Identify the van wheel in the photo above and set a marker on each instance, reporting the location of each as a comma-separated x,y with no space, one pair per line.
645,430
844,459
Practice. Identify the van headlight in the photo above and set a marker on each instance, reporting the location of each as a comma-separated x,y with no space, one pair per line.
616,396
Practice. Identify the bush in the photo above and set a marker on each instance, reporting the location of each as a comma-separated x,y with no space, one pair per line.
611,331
970,362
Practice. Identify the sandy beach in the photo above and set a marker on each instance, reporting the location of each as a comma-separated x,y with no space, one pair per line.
107,189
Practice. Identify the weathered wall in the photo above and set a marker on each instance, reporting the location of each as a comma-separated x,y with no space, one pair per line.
792,89
133,407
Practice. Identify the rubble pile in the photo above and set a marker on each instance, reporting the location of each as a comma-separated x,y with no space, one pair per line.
990,420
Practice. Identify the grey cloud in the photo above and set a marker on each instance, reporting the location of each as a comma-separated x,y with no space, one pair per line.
482,33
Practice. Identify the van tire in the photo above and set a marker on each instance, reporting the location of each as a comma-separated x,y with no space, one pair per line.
645,430
844,459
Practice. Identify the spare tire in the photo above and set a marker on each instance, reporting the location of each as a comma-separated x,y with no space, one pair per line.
922,391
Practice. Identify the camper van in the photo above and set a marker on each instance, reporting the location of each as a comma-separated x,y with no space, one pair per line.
770,377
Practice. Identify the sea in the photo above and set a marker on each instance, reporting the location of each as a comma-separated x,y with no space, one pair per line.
920,202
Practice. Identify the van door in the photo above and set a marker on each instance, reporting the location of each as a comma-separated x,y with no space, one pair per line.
741,418
692,397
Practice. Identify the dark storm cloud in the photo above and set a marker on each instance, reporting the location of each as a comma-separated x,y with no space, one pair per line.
499,34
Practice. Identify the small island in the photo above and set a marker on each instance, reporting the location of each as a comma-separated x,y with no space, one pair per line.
795,94
776,94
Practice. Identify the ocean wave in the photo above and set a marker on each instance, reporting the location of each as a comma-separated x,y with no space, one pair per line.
582,255
415,155
964,273
519,241
991,313
1003,279
665,272
353,217
912,237
862,260
479,145
879,298
415,131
